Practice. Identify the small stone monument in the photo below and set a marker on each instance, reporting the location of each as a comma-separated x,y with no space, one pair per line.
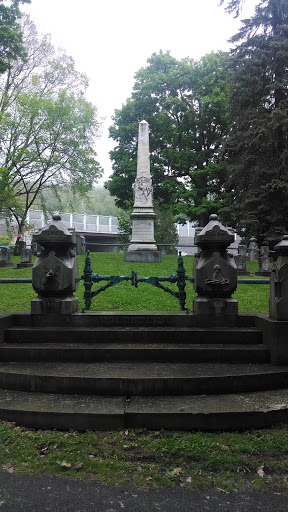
278,304
80,244
5,257
142,246
240,260
215,272
19,245
264,261
253,249
55,270
26,259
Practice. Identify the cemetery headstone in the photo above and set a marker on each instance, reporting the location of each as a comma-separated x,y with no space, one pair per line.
19,245
55,271
240,260
142,247
278,304
264,261
215,272
253,249
5,257
80,244
26,259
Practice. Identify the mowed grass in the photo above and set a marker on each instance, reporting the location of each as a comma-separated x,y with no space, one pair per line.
193,460
125,297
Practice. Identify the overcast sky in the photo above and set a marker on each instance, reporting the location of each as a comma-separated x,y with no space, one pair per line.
111,39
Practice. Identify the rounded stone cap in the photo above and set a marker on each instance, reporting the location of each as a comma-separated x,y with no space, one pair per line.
56,216
283,245
213,216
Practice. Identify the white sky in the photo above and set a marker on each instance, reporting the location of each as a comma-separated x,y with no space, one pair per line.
111,39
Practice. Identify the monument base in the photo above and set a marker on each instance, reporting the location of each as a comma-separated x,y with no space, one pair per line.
24,265
264,273
6,264
54,305
243,273
143,256
214,306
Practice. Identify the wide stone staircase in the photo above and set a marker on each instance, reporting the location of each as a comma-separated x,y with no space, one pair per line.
129,370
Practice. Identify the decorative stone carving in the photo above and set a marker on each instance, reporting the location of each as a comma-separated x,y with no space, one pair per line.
278,304
215,271
55,270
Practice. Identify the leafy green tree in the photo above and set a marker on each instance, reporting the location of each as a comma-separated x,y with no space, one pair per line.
47,127
257,146
185,104
11,43
166,235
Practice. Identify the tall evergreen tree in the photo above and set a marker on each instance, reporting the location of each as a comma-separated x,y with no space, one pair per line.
185,104
257,147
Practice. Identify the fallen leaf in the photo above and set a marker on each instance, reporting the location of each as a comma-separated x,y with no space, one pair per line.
9,468
260,471
65,465
78,466
176,471
189,479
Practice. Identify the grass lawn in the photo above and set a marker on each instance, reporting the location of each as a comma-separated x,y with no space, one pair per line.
123,296
226,461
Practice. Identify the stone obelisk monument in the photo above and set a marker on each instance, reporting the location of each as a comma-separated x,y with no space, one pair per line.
143,248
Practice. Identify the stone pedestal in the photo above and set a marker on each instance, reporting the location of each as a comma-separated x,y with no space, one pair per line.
278,304
5,257
55,270
143,248
26,259
215,272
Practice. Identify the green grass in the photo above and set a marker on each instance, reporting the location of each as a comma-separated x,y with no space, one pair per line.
123,296
228,461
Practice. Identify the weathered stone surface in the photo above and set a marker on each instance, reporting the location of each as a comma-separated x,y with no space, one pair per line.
264,261
215,271
26,259
19,245
55,271
5,257
278,304
142,239
253,249
240,260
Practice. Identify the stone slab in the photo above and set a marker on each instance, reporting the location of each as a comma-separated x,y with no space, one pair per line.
40,410
143,256
237,411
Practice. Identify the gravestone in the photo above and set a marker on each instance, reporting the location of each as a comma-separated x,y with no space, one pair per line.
215,272
142,246
264,261
26,259
240,260
55,271
19,245
80,244
253,249
278,304
5,257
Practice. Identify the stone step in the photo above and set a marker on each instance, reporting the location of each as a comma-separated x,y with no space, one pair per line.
40,410
133,335
126,379
76,352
